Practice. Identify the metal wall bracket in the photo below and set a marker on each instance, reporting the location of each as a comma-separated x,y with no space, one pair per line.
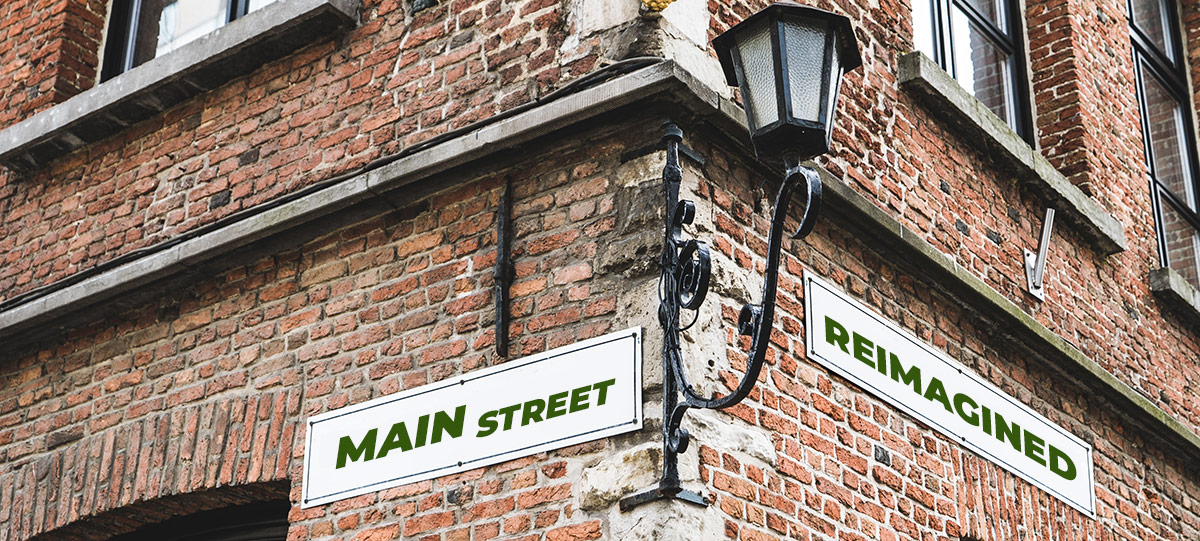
1035,263
685,269
504,267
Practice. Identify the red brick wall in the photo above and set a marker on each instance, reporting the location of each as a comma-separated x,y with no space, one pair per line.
848,465
393,81
1190,19
49,51
209,386
403,300
1083,85
913,164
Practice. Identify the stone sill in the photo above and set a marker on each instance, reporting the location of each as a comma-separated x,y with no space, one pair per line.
1171,287
235,49
929,82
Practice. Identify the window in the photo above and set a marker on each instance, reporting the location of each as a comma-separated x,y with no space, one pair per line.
979,43
1167,132
140,30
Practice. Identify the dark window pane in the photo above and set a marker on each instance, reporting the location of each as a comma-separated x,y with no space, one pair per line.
145,41
166,25
1181,243
923,28
1151,17
980,66
991,10
1164,116
255,4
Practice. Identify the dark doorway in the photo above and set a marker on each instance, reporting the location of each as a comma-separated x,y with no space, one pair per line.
259,521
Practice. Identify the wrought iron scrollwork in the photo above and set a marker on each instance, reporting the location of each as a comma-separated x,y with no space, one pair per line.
686,267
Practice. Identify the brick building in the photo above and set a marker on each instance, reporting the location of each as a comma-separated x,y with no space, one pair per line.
220,224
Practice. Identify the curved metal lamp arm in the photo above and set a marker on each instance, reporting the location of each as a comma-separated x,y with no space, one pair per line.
755,320
683,283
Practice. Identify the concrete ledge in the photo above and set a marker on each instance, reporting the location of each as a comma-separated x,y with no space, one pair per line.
925,79
1171,287
856,212
140,93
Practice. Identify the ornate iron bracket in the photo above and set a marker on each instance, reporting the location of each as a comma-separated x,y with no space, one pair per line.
683,284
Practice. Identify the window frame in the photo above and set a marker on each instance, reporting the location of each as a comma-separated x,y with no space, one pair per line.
1011,44
121,34
1169,70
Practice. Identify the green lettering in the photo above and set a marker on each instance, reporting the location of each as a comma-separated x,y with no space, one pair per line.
444,424
987,420
532,411
556,405
397,437
911,376
1056,455
347,449
487,424
862,350
971,418
836,334
422,430
1033,448
579,398
937,391
1011,431
508,415
881,361
602,391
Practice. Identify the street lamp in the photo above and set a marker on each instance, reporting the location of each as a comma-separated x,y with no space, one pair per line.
788,60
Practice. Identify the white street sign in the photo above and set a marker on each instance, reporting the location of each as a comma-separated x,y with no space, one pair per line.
578,393
889,362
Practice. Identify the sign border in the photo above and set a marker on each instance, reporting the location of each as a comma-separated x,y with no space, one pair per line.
458,467
811,280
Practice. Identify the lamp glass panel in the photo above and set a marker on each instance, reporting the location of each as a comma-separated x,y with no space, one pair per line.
835,82
758,71
805,41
